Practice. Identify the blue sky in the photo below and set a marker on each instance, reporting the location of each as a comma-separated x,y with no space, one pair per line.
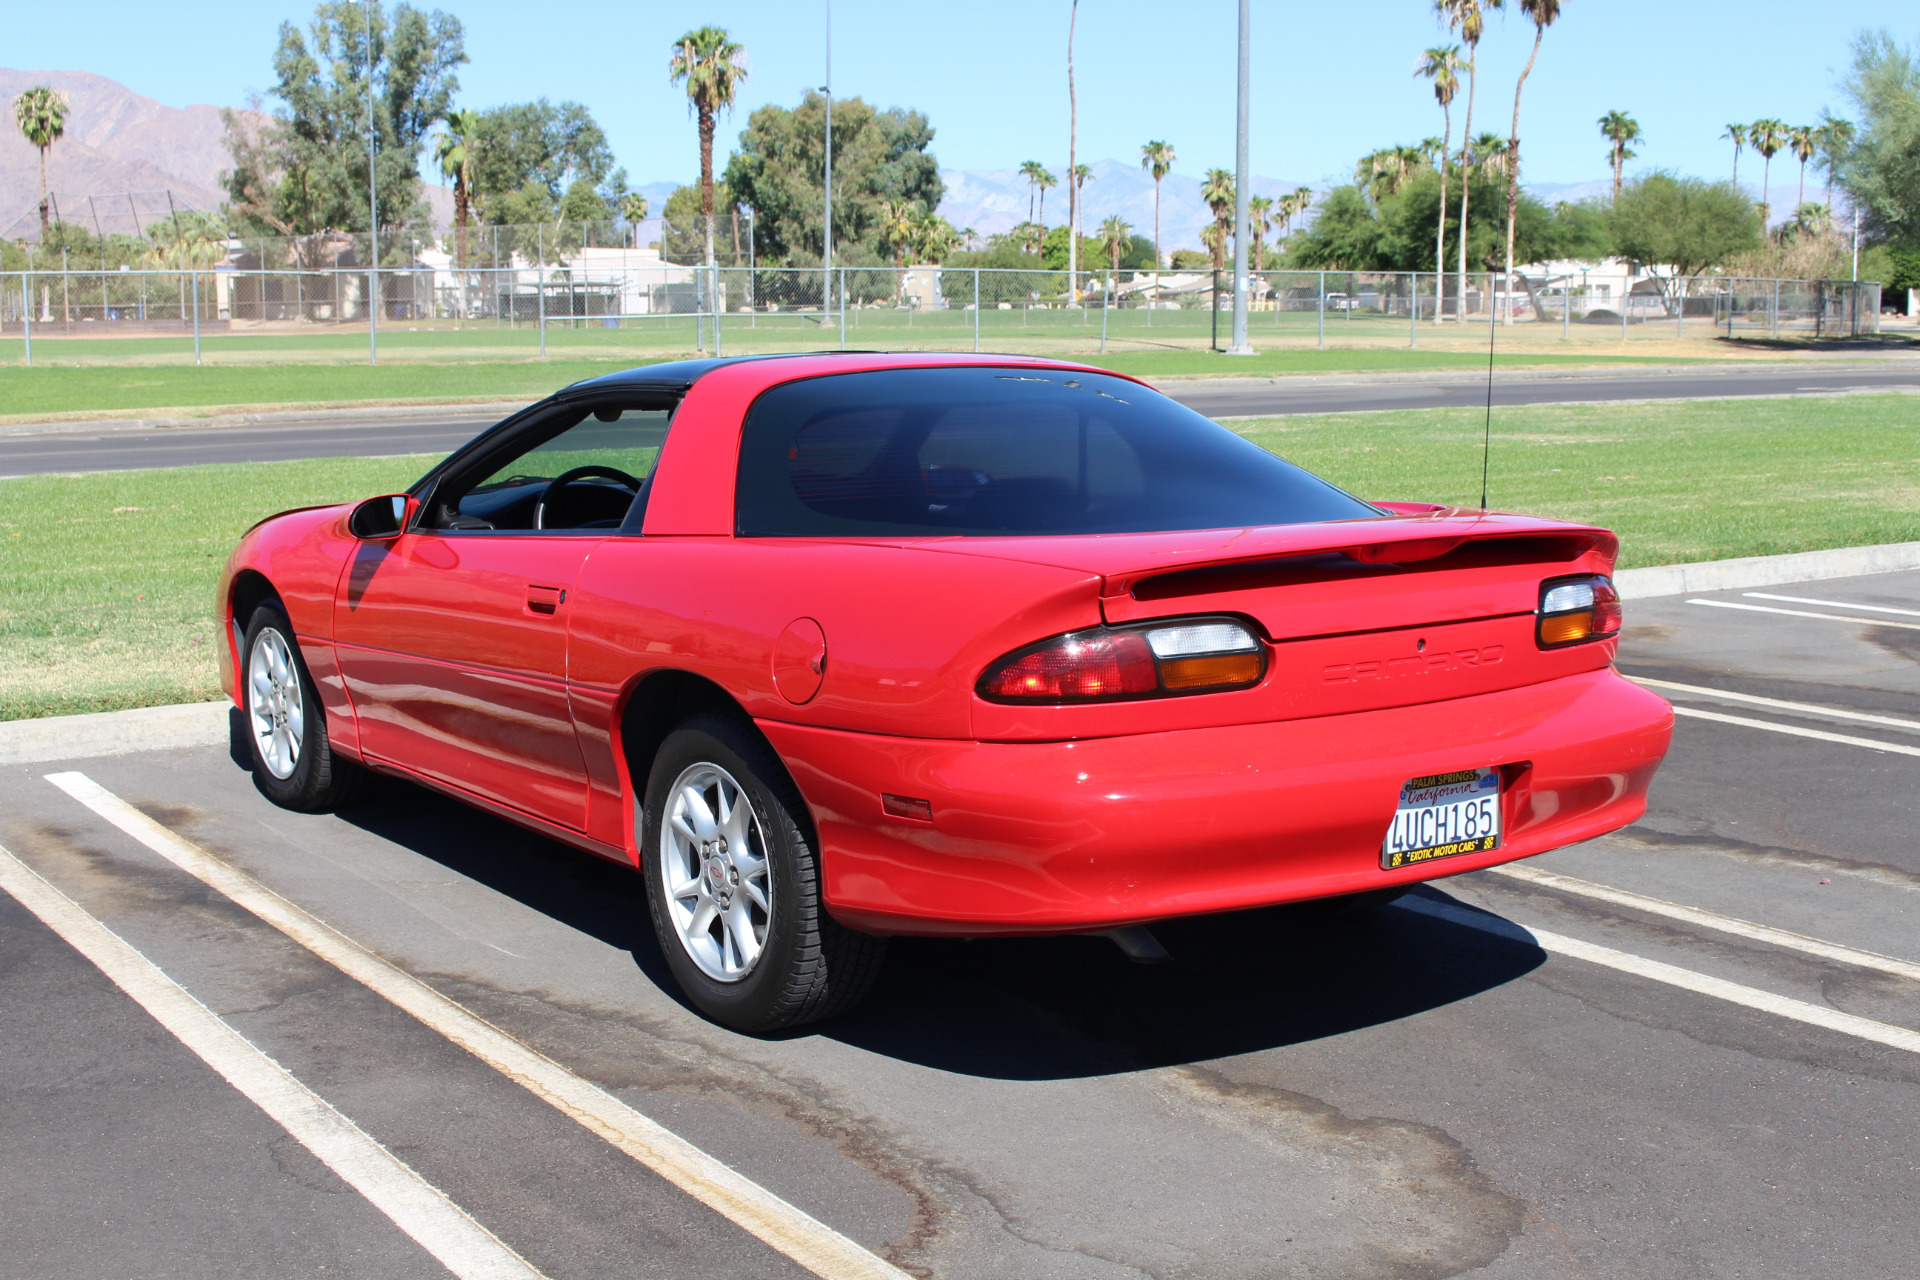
1330,81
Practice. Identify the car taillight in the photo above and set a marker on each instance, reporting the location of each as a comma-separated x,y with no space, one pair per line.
1575,610
1195,656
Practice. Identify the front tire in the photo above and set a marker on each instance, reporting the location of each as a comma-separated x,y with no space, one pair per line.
294,763
733,885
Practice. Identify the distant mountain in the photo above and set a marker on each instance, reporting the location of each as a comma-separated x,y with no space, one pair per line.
117,144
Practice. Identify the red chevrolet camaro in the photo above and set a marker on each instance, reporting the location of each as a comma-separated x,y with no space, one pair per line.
833,647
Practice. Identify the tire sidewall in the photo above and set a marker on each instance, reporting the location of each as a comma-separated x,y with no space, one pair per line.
298,789
749,1003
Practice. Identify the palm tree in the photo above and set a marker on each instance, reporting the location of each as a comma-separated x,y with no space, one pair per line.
1031,171
1217,191
1044,181
1835,140
1767,137
1157,158
1302,200
1077,196
1259,213
454,149
1442,65
1542,13
1619,128
712,66
41,113
1469,18
1737,135
1116,237
633,207
1804,139
899,227
934,237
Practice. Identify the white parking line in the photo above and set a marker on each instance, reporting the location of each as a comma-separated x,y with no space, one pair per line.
1672,975
435,1223
1796,731
1712,920
792,1231
1808,708
1802,613
1832,604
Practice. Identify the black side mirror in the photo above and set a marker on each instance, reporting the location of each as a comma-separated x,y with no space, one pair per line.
380,518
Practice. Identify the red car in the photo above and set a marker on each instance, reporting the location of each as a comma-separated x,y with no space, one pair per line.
833,647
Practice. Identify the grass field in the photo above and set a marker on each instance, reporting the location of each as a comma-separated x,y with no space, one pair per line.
154,375
106,599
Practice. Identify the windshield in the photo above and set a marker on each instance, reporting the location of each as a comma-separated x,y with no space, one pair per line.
998,451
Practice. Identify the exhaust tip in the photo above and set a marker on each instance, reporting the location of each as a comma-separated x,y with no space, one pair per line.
1137,943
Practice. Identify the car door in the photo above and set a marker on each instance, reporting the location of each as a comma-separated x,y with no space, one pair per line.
453,637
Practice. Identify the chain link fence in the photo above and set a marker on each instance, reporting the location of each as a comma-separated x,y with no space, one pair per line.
637,298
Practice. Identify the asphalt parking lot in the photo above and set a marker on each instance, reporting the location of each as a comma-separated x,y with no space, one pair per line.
1684,1050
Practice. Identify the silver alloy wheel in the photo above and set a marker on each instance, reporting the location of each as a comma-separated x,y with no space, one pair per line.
713,868
275,704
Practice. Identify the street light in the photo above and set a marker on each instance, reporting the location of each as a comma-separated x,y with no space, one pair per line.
826,235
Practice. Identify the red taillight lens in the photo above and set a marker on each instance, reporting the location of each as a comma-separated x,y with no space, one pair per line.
1576,610
1073,668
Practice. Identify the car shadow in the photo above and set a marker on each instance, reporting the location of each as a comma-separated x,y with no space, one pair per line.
1029,1008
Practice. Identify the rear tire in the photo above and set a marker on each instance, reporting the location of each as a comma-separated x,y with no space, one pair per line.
733,884
294,763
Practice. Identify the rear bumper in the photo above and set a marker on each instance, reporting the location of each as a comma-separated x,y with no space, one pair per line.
1055,837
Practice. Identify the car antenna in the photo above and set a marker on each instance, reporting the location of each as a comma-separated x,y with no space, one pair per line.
1486,443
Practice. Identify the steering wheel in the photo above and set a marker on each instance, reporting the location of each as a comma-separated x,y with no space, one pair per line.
567,477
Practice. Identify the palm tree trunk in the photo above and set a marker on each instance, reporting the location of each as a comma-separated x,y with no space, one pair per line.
43,197
1803,187
1766,192
706,178
1466,175
1440,232
1158,261
1513,163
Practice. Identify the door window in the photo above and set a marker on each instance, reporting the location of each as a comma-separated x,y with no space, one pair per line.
586,471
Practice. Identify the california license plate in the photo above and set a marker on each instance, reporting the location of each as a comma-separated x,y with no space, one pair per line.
1442,815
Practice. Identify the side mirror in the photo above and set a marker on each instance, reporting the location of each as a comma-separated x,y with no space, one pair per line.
378,519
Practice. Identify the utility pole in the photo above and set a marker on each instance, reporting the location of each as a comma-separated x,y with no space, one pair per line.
826,237
1240,193
373,211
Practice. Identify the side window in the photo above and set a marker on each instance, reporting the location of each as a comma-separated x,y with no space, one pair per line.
586,471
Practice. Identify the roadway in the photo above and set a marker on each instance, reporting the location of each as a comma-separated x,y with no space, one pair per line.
28,449
1687,1051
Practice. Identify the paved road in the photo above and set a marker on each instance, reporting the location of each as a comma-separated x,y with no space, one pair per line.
29,452
1421,1091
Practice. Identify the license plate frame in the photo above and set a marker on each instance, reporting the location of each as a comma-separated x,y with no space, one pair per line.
1445,815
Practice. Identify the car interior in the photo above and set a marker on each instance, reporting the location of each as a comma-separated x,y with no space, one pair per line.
584,468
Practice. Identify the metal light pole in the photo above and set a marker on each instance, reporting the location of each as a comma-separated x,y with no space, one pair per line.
1240,180
826,233
373,211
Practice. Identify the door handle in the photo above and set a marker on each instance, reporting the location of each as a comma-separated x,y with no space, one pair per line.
545,600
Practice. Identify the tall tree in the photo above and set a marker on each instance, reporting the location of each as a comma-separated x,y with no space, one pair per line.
1259,214
1073,166
1044,183
711,66
1619,129
1542,13
1689,224
1767,137
41,113
1116,237
1442,65
1031,171
454,152
1469,18
1881,171
1737,135
1804,141
1835,139
1217,191
1157,158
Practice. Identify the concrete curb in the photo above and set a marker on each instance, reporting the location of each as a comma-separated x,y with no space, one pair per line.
205,724
1766,571
113,733
365,414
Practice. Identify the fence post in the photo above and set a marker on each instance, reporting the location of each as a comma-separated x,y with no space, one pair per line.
540,287
196,316
1323,311
1773,312
976,311
1679,306
1626,296
843,308
26,311
1213,305
1106,303
1566,312
719,307
1413,309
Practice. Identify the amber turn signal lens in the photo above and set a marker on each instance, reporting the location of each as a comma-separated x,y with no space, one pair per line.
1217,672
1566,628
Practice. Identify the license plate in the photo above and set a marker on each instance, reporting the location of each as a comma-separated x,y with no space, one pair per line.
1442,815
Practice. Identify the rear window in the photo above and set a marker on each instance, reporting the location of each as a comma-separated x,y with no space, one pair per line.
994,451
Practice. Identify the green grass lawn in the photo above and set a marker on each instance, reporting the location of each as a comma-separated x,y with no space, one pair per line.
106,593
